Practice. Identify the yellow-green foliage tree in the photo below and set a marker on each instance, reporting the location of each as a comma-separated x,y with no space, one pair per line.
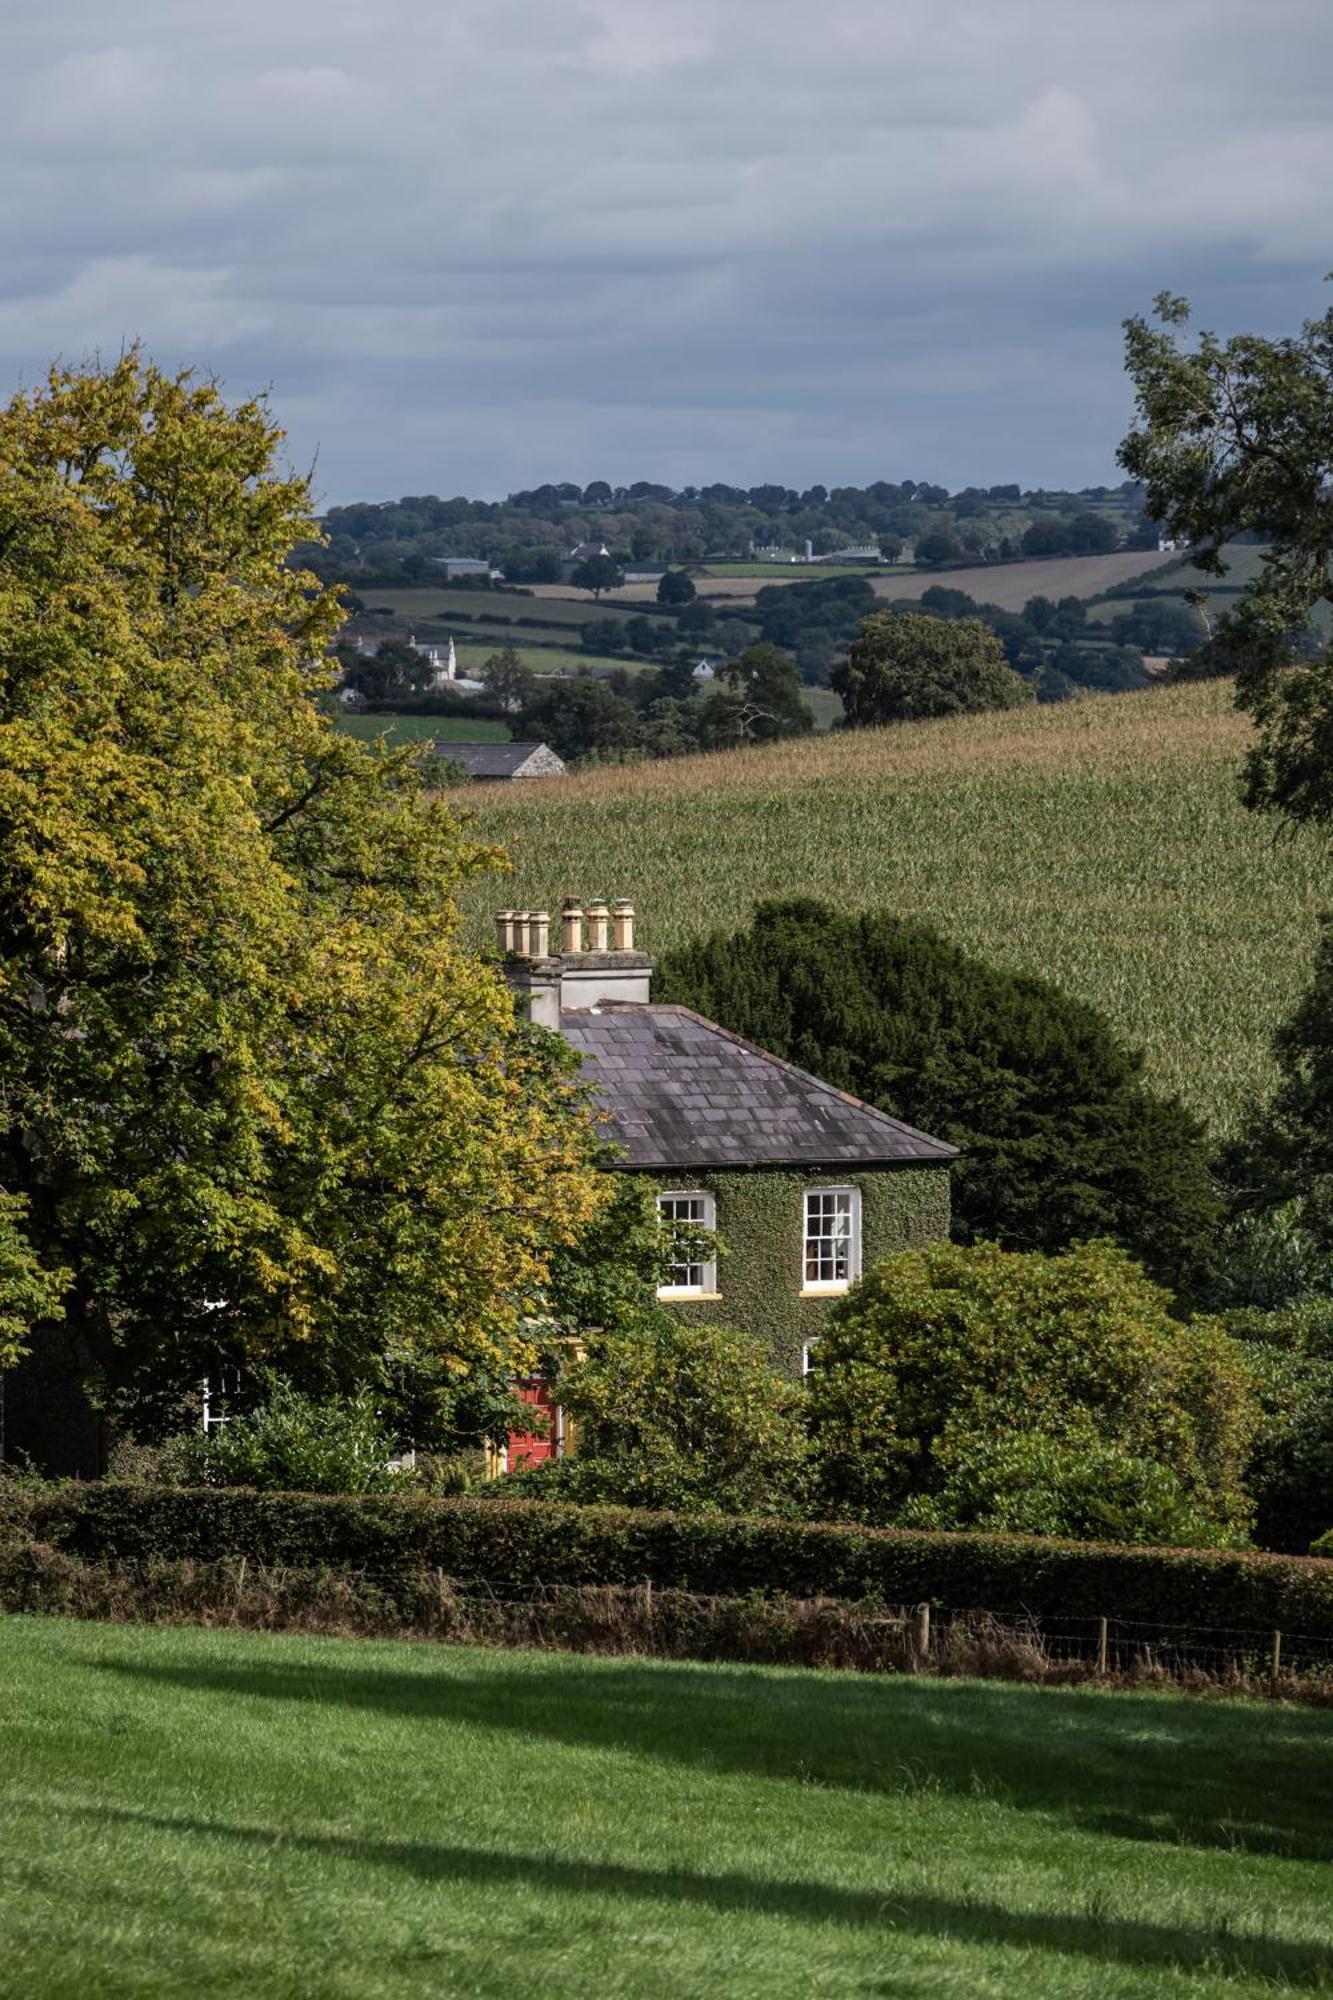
259,1099
983,1388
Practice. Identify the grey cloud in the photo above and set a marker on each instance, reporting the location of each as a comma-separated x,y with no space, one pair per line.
479,246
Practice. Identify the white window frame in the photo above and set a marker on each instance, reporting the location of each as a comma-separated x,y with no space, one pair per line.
807,1356
828,1286
220,1394
706,1219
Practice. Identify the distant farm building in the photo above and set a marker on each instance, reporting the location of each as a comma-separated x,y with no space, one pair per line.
488,763
456,567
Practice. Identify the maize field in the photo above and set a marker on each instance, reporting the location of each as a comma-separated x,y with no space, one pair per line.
1099,843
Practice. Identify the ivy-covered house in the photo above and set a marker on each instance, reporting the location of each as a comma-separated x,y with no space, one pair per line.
802,1184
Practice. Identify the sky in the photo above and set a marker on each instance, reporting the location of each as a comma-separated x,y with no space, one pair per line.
468,246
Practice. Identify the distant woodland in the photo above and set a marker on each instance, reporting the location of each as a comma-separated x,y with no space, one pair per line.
529,534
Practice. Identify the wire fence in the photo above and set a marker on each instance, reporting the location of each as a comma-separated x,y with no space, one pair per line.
647,1620
935,1634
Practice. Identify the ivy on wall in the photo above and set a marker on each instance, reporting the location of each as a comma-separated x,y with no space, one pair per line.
760,1225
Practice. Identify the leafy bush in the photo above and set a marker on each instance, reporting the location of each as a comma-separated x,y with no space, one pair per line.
393,1538
1289,1349
1061,1138
1290,1474
680,1416
1077,1484
293,1443
977,1387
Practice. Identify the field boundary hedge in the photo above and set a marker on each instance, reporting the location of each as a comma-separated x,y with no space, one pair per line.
539,1545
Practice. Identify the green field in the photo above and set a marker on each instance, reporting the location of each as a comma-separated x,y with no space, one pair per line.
400,729
217,1813
823,704
427,606
1099,843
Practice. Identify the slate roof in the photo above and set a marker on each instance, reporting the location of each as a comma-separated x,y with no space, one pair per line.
488,760
681,1092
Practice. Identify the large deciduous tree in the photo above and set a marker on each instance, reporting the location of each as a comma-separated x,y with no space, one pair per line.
906,666
260,1101
1235,438
1061,1136
598,573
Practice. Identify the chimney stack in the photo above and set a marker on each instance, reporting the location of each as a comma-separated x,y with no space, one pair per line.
595,964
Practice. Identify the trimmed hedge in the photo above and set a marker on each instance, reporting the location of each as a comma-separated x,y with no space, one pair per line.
392,1539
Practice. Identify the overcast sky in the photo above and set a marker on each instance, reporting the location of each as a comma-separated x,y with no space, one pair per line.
471,245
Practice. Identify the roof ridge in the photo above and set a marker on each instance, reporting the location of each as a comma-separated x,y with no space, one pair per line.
941,1146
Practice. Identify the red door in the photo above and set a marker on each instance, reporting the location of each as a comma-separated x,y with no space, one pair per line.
529,1447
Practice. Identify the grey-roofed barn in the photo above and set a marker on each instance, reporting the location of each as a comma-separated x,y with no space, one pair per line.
485,761
681,1093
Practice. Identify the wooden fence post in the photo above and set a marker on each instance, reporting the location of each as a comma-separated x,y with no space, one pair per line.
1275,1662
920,1636
1103,1646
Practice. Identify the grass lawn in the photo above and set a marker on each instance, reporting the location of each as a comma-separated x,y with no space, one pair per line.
400,729
1099,843
207,1813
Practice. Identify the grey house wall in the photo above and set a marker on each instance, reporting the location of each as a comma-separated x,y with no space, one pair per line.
760,1226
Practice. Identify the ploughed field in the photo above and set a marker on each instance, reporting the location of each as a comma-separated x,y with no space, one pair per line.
225,1813
1099,843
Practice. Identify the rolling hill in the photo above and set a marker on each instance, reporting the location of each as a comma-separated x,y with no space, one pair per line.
1099,843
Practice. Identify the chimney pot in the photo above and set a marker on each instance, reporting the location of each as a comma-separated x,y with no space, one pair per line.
571,927
622,923
599,925
539,933
521,920
504,930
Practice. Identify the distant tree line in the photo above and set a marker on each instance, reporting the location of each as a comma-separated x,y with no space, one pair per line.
530,534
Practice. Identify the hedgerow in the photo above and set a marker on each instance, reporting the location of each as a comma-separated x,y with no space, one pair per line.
392,1539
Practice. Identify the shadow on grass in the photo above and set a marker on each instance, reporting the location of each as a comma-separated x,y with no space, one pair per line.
1255,1778
1119,1940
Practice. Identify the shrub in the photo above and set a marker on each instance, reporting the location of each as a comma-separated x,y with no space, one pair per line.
1290,1474
293,1442
978,1387
680,1416
392,1539
1061,1138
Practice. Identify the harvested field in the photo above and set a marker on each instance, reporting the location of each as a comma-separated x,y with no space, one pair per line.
1010,585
